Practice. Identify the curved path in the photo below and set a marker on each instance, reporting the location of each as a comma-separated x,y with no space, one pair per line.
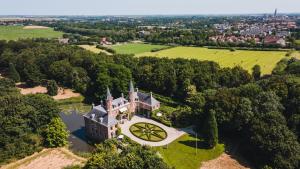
173,133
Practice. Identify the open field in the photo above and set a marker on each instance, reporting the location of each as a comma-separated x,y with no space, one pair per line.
62,93
135,48
56,158
181,153
296,54
20,32
246,59
224,161
93,48
35,27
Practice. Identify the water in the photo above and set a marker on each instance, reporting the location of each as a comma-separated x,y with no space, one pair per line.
77,139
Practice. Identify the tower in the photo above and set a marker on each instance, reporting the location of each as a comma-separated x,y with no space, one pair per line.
109,100
275,13
132,96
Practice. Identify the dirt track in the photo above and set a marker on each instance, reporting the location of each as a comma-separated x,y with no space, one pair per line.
62,93
224,161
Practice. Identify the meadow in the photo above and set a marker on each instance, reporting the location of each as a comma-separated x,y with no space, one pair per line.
18,32
182,153
136,48
225,58
94,49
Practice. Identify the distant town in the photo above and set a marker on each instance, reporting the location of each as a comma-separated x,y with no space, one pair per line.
150,92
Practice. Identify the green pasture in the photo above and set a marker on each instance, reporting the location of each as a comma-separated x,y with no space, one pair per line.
226,58
136,48
17,32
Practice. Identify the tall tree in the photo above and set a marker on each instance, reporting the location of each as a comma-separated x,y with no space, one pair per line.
256,72
211,130
13,74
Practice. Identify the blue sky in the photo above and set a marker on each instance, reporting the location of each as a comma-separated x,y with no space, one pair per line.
144,7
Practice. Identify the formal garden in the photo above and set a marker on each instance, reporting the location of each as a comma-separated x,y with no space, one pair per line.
148,132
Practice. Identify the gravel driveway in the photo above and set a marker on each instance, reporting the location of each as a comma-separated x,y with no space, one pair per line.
173,133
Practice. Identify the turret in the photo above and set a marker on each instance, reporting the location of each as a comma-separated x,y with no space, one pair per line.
109,100
132,95
131,91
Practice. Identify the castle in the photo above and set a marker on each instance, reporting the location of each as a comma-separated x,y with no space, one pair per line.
102,121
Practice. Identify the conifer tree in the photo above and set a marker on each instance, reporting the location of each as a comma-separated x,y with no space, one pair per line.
13,73
211,130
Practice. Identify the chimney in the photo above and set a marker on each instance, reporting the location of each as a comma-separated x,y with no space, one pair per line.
93,105
137,89
122,95
92,116
150,94
101,103
101,119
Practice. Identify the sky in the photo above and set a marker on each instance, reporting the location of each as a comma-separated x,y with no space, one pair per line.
145,7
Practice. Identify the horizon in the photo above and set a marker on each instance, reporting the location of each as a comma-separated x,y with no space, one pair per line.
146,8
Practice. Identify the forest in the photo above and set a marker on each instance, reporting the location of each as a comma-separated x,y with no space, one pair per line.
261,112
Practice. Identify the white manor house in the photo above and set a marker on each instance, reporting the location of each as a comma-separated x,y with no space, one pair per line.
102,121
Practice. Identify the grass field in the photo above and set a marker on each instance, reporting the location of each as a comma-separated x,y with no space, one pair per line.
17,32
246,59
71,104
135,48
298,41
181,153
93,48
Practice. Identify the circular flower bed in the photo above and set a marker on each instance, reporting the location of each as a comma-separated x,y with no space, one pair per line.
148,132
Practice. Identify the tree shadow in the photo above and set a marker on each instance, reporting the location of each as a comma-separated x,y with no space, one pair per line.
199,144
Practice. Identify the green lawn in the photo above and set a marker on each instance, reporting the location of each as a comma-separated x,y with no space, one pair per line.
246,59
17,32
75,103
181,153
298,42
135,48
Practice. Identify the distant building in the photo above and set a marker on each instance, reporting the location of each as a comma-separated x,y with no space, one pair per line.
102,121
274,40
104,41
63,40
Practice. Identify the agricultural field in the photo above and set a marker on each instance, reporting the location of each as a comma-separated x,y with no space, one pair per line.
136,48
182,153
20,32
93,48
246,59
48,158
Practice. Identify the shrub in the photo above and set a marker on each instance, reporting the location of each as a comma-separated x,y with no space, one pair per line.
56,133
52,88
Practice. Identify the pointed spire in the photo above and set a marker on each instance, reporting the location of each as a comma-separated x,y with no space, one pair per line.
131,88
108,95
